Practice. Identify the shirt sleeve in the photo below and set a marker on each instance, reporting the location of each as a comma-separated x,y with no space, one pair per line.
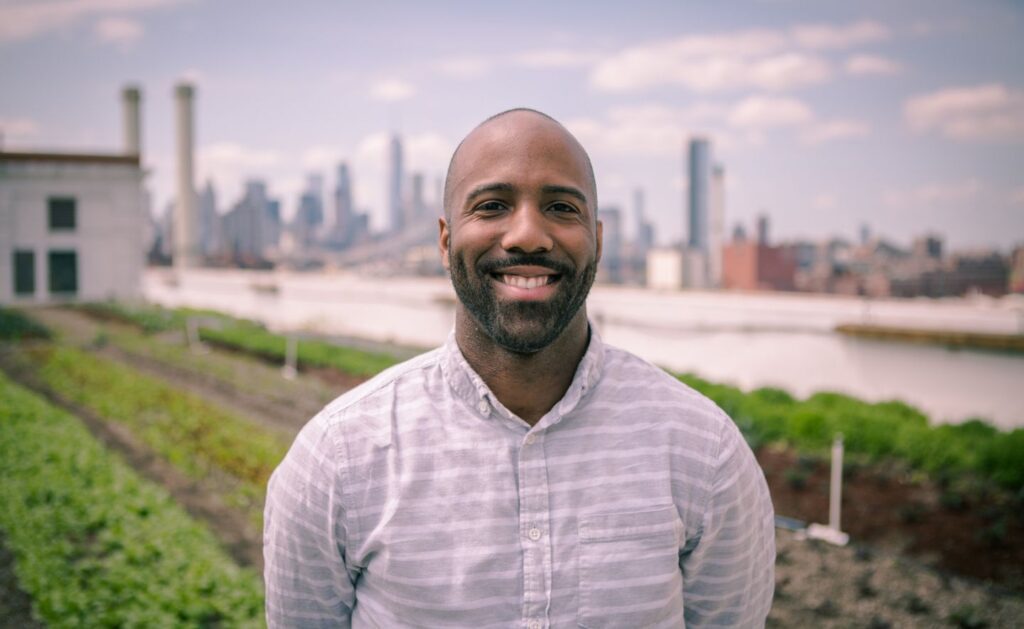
729,575
304,537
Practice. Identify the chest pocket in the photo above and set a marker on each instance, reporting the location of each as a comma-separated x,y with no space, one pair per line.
629,569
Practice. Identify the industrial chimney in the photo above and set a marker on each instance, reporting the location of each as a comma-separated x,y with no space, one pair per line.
131,97
185,242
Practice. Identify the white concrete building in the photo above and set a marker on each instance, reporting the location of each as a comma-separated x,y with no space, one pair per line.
676,268
72,224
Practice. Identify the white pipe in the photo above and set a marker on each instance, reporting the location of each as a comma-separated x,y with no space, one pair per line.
131,97
185,250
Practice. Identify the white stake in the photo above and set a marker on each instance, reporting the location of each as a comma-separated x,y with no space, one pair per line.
835,494
192,335
291,351
832,533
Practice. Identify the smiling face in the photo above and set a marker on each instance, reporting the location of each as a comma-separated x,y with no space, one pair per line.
521,238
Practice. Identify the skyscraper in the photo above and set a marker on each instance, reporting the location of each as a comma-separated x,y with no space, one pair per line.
396,177
762,229
716,227
699,192
611,251
209,221
310,215
417,204
644,230
342,230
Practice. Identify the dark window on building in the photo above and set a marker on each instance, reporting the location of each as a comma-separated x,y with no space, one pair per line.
63,272
24,272
62,213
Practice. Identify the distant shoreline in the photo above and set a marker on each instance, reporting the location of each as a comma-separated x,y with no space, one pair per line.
950,338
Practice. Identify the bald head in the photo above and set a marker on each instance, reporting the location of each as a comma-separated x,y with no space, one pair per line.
508,126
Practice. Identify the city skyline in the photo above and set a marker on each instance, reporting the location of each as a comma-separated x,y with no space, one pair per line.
826,117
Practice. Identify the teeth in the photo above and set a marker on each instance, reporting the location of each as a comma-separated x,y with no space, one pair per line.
525,282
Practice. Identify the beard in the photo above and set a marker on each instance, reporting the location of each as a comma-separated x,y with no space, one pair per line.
521,327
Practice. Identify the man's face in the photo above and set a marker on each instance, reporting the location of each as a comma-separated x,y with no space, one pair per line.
522,241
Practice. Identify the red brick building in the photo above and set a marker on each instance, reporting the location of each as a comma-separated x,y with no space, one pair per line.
752,266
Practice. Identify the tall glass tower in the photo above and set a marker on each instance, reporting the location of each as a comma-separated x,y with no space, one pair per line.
396,176
699,193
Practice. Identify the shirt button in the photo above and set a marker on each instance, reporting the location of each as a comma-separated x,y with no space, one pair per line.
535,624
534,534
483,407
530,439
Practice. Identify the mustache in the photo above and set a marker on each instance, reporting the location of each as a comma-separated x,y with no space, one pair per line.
526,259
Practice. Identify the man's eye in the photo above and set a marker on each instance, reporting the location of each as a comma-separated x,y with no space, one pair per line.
490,207
563,208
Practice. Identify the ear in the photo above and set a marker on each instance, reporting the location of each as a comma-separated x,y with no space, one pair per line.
600,240
444,240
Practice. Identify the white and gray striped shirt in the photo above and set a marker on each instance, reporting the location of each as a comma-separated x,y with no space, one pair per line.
418,500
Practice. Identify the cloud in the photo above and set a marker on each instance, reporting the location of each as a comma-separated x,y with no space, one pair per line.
991,112
825,201
822,36
17,129
711,63
230,164
765,59
652,129
20,21
862,65
554,58
936,193
321,158
121,32
392,90
658,129
760,112
468,67
1017,196
824,131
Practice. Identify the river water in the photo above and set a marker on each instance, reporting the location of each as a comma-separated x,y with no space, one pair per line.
750,340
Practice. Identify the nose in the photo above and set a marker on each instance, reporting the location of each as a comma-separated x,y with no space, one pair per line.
527,231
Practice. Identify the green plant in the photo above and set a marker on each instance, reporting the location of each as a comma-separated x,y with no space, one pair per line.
796,478
16,325
871,432
967,617
191,433
97,546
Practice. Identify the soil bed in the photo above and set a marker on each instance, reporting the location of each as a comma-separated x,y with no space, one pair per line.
978,535
15,604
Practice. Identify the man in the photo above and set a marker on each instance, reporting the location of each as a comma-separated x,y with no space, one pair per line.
524,474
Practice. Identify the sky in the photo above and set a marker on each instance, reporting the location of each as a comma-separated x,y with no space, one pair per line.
905,116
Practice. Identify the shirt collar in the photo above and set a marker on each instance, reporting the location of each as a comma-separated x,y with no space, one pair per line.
470,387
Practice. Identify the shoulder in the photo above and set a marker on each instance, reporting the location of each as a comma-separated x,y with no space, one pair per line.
630,378
357,408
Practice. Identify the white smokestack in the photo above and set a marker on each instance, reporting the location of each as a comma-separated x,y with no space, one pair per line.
185,249
131,97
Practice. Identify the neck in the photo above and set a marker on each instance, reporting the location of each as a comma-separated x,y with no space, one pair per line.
529,385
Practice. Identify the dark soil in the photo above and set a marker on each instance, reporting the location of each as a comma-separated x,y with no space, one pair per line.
15,605
979,534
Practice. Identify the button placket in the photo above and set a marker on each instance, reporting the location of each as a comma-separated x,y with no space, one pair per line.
534,525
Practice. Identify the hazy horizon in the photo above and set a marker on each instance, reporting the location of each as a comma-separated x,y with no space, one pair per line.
908,118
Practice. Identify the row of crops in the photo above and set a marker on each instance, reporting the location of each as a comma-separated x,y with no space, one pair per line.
97,546
244,336
767,415
884,430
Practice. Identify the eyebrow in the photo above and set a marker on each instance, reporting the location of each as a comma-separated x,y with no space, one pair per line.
576,193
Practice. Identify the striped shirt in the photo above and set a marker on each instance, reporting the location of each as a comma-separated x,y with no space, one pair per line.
418,500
